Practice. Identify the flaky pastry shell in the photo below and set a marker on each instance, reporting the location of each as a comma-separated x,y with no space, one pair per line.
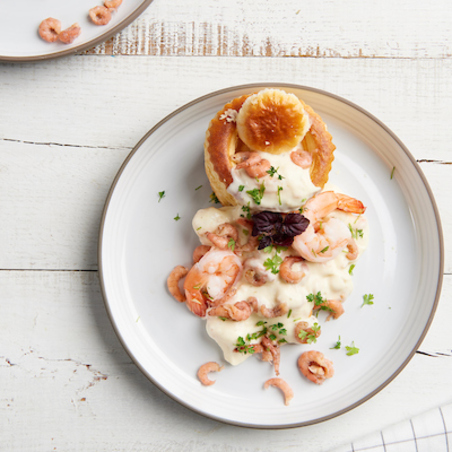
222,142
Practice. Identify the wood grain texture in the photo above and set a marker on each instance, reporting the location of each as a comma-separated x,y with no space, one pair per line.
67,382
256,28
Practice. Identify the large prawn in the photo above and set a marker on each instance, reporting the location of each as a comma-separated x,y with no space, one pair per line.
326,237
211,279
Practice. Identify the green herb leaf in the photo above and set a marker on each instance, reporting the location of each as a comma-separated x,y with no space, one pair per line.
161,195
368,299
177,217
273,264
241,187
338,344
356,233
350,270
351,349
392,172
279,194
214,199
197,188
289,313
257,194
231,244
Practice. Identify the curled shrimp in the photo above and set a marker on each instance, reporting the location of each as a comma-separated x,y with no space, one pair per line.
353,250
301,158
49,29
325,238
315,367
210,279
253,241
226,236
274,350
253,164
237,312
100,15
199,252
70,34
283,386
205,369
279,310
304,333
255,277
112,3
173,282
288,273
334,307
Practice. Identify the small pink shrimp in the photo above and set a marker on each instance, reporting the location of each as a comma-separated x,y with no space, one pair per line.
254,165
173,282
112,3
205,369
68,36
210,279
199,252
301,158
353,250
255,277
237,312
283,385
325,238
309,333
334,307
287,271
225,237
277,311
49,29
275,351
100,15
315,367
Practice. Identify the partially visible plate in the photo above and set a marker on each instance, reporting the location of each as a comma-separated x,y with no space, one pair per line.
19,38
140,242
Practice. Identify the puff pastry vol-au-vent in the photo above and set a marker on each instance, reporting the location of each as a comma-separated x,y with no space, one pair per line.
267,150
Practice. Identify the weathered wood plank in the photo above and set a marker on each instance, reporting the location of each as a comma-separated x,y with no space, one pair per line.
67,382
330,29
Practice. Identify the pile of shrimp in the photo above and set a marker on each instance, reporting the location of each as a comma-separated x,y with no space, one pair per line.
50,29
210,284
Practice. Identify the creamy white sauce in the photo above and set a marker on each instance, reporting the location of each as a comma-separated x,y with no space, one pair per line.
295,185
332,279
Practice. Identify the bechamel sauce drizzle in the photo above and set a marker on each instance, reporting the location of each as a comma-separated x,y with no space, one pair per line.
332,279
296,184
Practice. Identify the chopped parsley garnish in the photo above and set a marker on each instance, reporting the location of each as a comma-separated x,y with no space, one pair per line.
350,270
257,194
231,244
356,233
177,217
223,318
241,187
392,172
318,301
338,344
325,249
279,194
197,188
289,313
161,195
214,199
272,332
351,349
273,264
272,171
308,336
247,210
368,299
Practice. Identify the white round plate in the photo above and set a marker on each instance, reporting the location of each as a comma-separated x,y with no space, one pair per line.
140,242
19,38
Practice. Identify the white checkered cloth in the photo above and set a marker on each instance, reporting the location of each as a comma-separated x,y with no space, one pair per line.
428,432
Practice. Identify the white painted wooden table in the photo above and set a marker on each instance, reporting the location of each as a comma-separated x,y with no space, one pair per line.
66,126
